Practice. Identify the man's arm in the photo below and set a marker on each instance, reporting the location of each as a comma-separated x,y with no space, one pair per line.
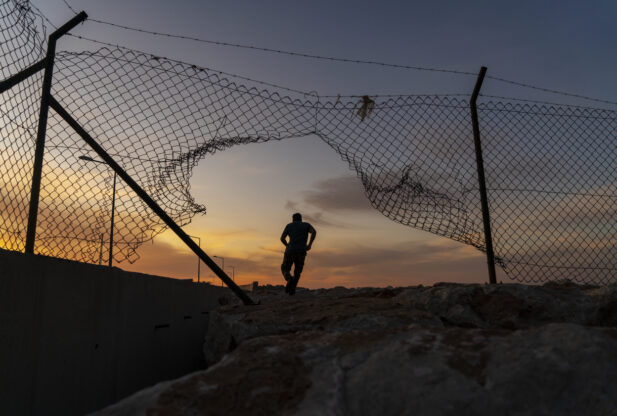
313,235
283,237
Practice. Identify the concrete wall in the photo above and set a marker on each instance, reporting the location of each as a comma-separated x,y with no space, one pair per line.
76,337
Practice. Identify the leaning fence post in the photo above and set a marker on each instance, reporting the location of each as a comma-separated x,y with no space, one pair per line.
488,239
20,76
149,201
40,137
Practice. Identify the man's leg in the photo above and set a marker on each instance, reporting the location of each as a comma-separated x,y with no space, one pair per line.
286,267
298,260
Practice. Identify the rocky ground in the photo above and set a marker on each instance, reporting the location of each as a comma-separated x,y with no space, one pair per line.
448,349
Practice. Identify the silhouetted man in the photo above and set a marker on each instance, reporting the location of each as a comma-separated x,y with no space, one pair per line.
296,248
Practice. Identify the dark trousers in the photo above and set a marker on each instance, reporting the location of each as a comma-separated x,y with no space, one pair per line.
295,258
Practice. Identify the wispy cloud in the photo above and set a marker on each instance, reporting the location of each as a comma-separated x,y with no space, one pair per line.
396,265
316,218
344,193
331,196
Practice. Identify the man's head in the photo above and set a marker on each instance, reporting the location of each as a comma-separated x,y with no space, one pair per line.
297,217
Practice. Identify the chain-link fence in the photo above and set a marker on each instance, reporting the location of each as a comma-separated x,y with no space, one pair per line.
552,185
21,45
548,167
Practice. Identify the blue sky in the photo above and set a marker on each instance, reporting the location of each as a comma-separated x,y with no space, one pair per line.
251,190
561,45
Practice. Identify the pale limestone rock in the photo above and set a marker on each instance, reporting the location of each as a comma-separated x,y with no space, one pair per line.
442,350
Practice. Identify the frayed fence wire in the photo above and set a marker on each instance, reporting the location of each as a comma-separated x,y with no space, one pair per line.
549,168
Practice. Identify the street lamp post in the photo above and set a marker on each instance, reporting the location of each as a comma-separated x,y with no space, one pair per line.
113,209
198,259
101,250
111,228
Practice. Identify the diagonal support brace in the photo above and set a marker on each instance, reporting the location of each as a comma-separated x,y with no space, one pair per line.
149,201
20,76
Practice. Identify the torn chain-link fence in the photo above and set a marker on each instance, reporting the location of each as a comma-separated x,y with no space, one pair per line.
549,168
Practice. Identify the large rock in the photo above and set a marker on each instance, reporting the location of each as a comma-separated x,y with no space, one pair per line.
337,310
605,300
441,350
510,306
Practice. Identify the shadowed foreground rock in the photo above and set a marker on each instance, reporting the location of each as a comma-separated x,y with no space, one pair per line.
449,349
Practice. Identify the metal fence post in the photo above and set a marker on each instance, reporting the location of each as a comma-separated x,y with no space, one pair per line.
488,239
40,138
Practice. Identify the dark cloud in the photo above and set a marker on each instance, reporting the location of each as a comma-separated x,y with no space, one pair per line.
338,194
344,193
315,218
291,205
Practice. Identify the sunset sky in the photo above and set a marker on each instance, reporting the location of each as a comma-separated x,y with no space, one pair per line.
250,191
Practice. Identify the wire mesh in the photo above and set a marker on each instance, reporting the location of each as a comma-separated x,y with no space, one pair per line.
160,118
20,46
552,185
548,167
